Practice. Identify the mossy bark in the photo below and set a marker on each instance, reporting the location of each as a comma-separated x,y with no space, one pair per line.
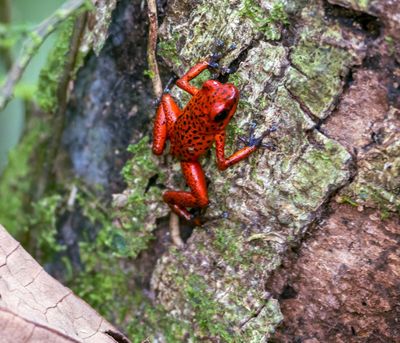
296,60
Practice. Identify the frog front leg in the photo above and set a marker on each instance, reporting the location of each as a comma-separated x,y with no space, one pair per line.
253,144
183,82
179,201
167,113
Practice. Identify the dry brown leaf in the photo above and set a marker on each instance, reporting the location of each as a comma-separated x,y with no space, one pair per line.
34,307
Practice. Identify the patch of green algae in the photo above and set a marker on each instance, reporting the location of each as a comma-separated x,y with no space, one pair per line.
267,22
167,49
154,323
316,75
206,311
44,215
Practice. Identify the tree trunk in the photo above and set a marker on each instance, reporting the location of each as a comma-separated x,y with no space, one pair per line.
300,243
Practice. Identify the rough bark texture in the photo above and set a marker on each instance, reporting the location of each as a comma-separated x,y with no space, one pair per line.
309,67
342,285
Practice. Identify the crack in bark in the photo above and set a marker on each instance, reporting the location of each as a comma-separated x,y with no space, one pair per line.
303,107
97,330
38,325
33,278
255,314
58,302
11,252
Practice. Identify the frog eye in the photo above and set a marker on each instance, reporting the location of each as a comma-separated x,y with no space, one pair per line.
221,115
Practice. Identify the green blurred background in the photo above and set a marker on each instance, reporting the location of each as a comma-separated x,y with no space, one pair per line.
24,13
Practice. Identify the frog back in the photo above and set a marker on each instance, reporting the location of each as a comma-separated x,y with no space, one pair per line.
191,138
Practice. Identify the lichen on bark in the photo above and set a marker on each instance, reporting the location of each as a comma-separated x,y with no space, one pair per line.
377,183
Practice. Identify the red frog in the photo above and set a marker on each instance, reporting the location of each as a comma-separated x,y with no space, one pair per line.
193,130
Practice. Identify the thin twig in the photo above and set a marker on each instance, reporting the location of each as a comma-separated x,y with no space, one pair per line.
32,44
151,48
158,90
175,230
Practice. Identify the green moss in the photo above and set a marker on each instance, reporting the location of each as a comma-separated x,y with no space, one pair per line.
43,222
51,75
312,60
103,281
371,195
150,322
207,312
16,182
239,252
106,279
213,319
228,244
278,14
132,234
236,79
167,49
137,233
269,23
316,77
148,73
347,200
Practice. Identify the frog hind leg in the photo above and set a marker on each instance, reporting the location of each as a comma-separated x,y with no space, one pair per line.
179,201
167,113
